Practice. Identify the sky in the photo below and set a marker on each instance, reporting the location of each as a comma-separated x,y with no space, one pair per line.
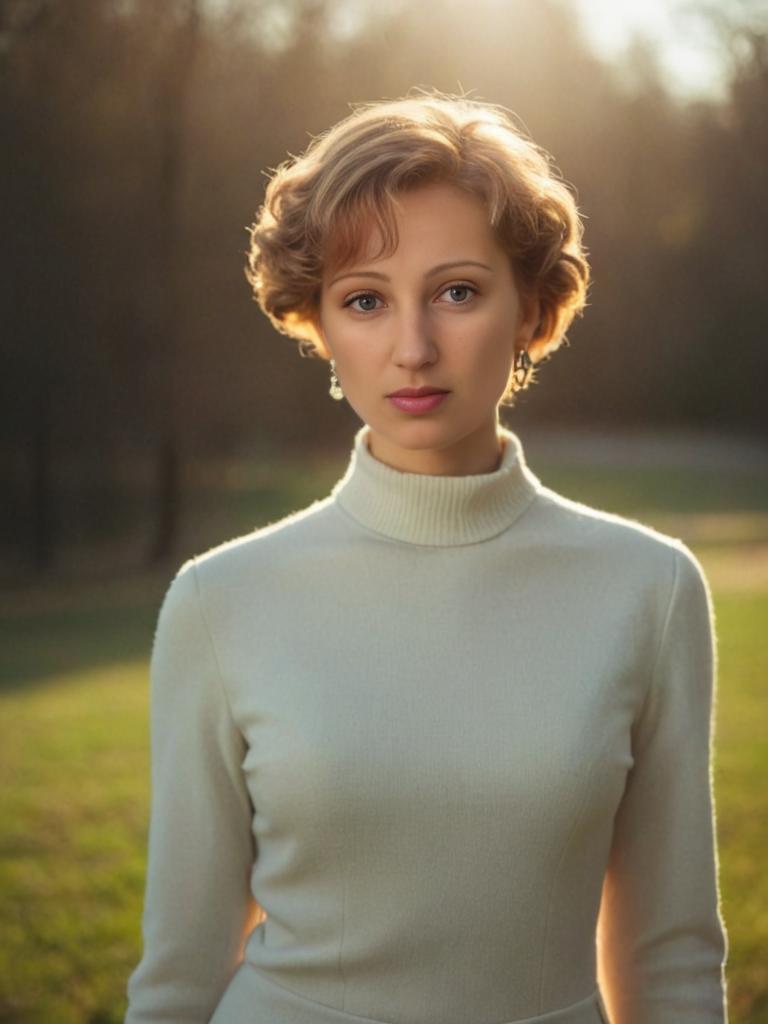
691,62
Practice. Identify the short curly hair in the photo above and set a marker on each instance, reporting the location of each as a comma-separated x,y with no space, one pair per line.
319,205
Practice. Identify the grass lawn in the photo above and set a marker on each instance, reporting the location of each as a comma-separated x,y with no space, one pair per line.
74,742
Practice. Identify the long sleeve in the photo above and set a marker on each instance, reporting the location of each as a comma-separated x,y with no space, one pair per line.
198,905
662,943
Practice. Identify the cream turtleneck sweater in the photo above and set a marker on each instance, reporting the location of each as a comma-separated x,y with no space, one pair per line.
452,736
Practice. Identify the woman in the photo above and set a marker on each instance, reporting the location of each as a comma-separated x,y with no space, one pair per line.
436,749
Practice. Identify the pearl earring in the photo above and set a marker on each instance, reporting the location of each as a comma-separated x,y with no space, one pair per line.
335,389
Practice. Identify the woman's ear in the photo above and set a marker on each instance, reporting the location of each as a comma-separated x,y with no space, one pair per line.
530,318
319,338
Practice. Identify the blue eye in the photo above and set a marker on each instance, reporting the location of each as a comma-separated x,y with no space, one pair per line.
460,288
357,298
372,299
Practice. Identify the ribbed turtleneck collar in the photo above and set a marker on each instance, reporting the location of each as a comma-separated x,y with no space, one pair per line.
420,508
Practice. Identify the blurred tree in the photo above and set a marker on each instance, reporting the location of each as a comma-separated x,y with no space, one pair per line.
176,71
140,137
38,285
725,225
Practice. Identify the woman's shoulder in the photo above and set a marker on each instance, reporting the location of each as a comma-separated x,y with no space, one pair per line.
621,542
269,548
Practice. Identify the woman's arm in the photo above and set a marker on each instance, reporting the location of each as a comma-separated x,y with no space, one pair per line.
662,944
198,906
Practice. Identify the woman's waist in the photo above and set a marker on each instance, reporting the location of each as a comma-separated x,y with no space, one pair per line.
255,996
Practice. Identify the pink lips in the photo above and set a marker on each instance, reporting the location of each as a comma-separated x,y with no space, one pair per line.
418,403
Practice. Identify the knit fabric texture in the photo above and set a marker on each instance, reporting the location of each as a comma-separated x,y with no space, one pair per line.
434,750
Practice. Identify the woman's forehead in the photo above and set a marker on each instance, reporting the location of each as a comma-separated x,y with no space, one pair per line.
431,214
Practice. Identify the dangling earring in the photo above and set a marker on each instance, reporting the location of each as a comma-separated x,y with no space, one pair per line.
522,368
335,389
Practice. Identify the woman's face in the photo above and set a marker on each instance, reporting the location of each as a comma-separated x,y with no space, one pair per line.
411,320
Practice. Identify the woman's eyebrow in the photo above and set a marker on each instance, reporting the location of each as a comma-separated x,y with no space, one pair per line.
435,270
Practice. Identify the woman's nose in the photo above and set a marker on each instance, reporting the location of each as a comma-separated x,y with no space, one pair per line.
414,343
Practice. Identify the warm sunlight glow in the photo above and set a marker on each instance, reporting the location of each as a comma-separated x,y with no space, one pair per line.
688,57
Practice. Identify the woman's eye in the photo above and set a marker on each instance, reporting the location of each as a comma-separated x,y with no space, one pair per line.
462,289
368,297
367,300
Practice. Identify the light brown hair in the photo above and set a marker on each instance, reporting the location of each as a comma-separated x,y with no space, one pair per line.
319,206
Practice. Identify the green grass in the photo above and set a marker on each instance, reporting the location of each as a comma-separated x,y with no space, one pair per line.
74,745
741,761
73,758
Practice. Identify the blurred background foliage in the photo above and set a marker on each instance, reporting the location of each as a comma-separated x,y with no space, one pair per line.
138,137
